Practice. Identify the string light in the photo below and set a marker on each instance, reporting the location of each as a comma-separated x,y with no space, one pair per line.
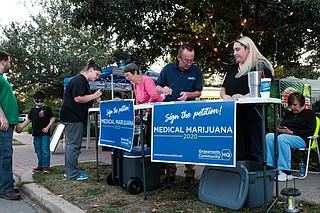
244,22
199,39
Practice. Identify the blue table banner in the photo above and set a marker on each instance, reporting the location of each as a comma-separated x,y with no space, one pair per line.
194,132
117,124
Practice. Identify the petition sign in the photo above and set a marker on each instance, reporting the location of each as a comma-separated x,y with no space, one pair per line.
194,132
117,124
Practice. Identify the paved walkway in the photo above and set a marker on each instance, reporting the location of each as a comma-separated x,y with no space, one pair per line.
25,159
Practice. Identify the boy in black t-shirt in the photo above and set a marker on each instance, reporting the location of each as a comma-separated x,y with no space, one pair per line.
42,119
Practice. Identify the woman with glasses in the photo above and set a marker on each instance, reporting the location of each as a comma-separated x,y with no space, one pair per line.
42,119
145,92
293,132
235,85
77,99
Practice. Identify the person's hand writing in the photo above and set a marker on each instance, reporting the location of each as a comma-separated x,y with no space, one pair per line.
98,93
166,90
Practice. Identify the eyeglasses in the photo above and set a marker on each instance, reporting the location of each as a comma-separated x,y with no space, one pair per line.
186,61
39,100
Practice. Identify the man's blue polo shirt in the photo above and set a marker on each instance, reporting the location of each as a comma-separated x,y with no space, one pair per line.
180,81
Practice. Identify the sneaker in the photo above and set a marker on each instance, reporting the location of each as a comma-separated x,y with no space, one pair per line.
83,176
46,170
282,177
190,183
38,169
11,196
169,180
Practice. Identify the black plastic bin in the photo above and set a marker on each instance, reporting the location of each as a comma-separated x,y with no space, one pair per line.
235,187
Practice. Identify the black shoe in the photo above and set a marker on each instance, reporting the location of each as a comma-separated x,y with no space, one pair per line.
16,189
11,196
190,183
169,180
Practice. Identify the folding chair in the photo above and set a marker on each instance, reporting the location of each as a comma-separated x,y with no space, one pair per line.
312,145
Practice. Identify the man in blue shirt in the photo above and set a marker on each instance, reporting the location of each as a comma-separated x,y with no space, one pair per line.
181,81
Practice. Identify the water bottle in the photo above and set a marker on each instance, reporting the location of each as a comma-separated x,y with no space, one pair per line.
302,169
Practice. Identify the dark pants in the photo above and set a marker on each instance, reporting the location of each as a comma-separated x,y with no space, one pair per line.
249,145
249,133
6,151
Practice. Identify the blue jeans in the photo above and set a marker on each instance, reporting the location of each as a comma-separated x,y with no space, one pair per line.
74,132
285,143
6,176
42,149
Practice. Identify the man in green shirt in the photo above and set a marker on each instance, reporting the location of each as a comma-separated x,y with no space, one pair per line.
8,119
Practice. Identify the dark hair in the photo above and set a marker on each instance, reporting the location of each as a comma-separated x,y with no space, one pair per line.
91,64
39,95
4,56
296,96
188,47
132,67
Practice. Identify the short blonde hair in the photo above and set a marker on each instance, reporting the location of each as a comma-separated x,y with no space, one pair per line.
254,58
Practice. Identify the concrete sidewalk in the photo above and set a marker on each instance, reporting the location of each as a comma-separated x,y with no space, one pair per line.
25,159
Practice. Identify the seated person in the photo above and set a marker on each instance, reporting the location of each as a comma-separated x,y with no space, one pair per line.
296,126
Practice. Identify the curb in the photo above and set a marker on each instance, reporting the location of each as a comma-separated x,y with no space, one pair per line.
44,198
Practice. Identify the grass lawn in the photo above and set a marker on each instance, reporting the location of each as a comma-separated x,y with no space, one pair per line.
93,196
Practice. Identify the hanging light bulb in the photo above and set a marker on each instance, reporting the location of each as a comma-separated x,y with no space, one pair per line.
244,22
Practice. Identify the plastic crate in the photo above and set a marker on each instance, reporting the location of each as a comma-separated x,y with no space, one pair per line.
237,186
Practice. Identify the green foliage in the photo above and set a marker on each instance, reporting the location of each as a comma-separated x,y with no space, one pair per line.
59,41
48,50
147,29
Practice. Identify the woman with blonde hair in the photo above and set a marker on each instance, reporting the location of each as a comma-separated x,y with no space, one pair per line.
254,57
235,85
